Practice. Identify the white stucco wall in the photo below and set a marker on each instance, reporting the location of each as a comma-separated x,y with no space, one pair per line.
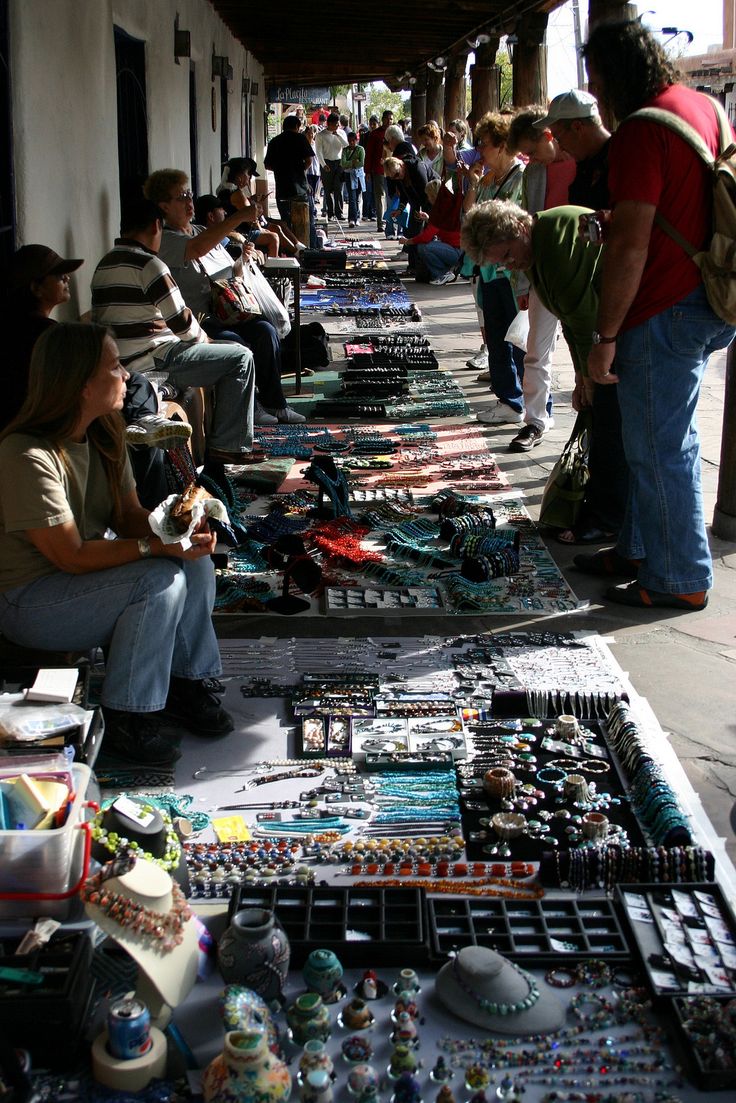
65,113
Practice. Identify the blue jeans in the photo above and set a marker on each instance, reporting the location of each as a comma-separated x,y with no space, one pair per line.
439,257
353,204
660,364
154,616
505,361
228,368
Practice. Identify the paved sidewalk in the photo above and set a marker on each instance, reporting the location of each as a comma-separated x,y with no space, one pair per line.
683,663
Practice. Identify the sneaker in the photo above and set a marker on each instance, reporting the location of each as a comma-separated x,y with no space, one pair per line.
529,437
194,704
483,377
288,416
449,277
480,360
500,414
136,737
262,416
156,431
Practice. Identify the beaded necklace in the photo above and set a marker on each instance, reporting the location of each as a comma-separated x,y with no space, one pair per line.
486,886
164,928
492,1006
113,843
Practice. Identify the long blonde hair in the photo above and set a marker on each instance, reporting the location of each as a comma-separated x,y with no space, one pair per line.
64,359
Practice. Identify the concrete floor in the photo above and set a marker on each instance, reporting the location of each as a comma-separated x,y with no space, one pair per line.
684,664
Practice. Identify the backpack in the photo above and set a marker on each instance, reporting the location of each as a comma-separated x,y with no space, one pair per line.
717,263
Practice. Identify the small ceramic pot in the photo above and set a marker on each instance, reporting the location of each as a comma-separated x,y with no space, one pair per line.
402,1060
357,1049
314,1056
407,981
246,1072
322,973
316,1087
308,1018
363,1082
254,951
244,1009
356,1015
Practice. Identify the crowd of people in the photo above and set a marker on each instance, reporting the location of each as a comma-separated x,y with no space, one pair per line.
505,209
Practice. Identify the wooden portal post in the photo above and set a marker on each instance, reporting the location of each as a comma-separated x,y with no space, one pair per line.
484,81
530,60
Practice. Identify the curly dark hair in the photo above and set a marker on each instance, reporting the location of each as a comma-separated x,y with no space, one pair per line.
632,65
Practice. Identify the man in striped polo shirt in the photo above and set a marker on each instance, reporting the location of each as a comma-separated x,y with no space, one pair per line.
134,293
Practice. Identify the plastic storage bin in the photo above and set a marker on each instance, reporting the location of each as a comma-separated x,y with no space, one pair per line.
40,871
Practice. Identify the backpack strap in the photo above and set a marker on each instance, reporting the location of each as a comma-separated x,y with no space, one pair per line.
690,135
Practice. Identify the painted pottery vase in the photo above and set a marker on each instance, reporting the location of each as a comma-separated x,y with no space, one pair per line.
406,1030
246,1072
356,1015
322,973
363,1081
243,1009
308,1018
357,1049
254,951
314,1056
407,1089
316,1087
407,981
402,1060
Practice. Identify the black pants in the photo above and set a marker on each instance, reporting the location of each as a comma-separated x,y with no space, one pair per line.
608,486
264,342
149,464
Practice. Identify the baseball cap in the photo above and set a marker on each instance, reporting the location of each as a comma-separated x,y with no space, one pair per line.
203,205
574,104
33,262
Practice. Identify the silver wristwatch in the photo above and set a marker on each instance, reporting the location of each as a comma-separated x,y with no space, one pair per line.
144,547
600,340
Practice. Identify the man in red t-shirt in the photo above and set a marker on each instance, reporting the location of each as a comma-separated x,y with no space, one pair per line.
374,154
655,320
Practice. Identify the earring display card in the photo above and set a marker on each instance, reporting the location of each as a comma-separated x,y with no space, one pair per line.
547,929
437,733
380,601
345,919
685,936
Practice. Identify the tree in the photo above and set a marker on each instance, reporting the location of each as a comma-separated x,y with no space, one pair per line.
380,100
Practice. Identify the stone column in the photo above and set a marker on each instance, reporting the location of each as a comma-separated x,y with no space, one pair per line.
435,96
484,81
530,60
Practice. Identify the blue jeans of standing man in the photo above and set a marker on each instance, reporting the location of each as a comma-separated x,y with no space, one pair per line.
660,364
228,368
505,361
154,616
439,257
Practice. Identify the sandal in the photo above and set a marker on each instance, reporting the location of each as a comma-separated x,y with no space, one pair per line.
638,597
590,535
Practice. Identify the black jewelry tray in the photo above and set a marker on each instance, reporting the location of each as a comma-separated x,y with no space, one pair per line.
346,920
553,931
648,938
525,848
700,1072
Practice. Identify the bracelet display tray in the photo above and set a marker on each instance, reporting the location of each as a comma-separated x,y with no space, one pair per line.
345,919
701,1072
550,931
684,935
379,601
524,848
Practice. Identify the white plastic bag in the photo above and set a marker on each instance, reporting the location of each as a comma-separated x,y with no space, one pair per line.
273,310
518,331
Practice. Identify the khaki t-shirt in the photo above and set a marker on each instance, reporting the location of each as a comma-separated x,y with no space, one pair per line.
38,491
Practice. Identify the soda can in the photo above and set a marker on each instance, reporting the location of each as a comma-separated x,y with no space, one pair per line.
128,1028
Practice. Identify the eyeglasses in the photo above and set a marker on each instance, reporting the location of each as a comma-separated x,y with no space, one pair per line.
183,197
